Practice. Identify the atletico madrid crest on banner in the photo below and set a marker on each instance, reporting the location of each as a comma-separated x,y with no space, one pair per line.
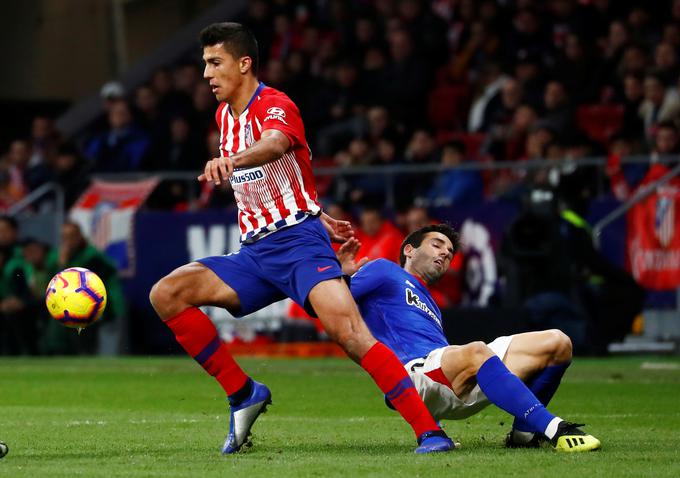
654,235
664,221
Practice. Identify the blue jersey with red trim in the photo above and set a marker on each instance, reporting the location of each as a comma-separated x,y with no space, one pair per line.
398,309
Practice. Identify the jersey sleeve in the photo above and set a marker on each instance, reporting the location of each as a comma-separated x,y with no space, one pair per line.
281,114
367,280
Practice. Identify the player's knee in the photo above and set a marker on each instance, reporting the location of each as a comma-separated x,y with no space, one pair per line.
561,346
163,293
477,353
354,339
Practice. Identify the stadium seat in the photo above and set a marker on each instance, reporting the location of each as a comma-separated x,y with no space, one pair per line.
447,106
600,122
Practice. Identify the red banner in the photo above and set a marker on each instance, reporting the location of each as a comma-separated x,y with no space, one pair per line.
104,213
654,234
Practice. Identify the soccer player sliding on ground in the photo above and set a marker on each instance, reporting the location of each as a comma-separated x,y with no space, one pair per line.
518,373
285,251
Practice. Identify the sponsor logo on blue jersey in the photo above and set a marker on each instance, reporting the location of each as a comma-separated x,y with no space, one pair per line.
413,299
247,175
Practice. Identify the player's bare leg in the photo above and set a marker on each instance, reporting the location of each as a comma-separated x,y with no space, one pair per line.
191,285
176,299
532,352
338,313
475,363
540,359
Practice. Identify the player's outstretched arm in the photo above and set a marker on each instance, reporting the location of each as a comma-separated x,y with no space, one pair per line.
271,146
338,230
346,255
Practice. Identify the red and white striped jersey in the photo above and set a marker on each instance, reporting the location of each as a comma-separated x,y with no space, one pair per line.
278,194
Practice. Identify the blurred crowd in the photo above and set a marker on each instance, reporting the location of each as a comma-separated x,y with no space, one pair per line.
26,268
403,82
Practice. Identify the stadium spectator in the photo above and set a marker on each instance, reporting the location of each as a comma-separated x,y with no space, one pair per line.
666,63
500,113
23,176
17,320
184,150
528,69
340,103
633,94
659,104
507,142
71,172
122,146
527,34
421,149
408,78
378,236
44,140
488,99
557,111
146,106
578,70
31,273
482,47
75,251
455,186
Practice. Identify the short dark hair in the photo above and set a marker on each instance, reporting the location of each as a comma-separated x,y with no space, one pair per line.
238,40
416,238
456,145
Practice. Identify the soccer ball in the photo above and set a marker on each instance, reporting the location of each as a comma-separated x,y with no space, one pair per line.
76,297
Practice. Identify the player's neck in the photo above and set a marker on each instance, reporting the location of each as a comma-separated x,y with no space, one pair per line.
417,275
243,96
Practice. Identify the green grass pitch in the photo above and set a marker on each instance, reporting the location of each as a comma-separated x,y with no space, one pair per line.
139,417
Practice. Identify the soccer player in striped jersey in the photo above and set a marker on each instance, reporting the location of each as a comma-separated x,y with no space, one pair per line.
458,381
285,251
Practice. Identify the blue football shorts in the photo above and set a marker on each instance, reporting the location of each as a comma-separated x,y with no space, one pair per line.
286,263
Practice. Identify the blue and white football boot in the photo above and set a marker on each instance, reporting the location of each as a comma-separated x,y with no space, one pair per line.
243,416
434,442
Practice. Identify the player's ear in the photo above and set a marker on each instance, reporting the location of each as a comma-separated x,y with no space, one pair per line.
408,250
245,64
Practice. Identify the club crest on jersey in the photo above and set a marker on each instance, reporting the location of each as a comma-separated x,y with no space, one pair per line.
248,133
247,175
276,113
413,299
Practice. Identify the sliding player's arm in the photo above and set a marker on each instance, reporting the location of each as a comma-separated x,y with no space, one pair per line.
271,146
338,230
347,254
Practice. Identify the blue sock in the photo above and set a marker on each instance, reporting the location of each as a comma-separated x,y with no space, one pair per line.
508,392
544,385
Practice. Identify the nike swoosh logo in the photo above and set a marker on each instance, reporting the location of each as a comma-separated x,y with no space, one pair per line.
321,269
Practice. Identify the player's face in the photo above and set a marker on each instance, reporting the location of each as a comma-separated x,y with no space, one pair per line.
432,258
223,71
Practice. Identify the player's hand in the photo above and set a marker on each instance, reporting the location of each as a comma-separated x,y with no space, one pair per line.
339,231
346,255
217,170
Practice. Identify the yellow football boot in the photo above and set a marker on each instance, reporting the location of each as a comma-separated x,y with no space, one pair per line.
570,438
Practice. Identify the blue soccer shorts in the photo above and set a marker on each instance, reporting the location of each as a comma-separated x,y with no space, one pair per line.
286,263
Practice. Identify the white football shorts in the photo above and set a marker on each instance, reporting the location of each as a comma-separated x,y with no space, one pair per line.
439,398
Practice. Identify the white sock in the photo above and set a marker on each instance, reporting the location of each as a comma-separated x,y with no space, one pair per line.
551,429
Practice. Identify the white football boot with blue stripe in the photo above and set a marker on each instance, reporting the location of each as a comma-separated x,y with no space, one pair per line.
243,416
